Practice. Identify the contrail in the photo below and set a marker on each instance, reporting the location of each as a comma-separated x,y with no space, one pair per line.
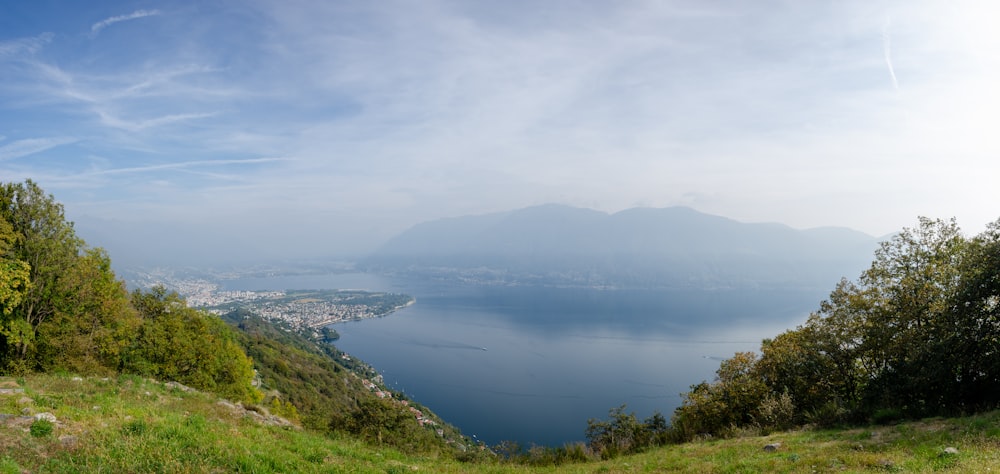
887,50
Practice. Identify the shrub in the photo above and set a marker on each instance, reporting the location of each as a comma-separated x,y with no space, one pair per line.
776,412
828,414
41,428
886,416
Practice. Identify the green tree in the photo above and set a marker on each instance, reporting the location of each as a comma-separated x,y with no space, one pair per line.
47,243
385,422
732,400
971,341
15,276
818,364
620,434
908,287
95,322
186,345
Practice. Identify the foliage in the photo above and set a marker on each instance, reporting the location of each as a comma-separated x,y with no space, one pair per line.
15,275
622,433
293,366
383,422
917,334
46,242
314,385
90,331
189,346
734,399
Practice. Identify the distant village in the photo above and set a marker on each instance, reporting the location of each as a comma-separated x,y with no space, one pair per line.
303,310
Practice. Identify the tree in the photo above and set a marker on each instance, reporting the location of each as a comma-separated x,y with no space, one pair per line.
733,400
972,338
819,363
94,325
15,280
908,287
46,242
186,345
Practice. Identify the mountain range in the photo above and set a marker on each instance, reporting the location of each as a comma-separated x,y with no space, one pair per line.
640,247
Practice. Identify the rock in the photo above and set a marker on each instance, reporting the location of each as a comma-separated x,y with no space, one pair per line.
227,404
46,416
178,386
25,401
772,447
68,441
949,451
77,379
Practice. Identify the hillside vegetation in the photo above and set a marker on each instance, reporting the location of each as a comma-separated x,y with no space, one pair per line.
131,424
94,378
918,334
63,310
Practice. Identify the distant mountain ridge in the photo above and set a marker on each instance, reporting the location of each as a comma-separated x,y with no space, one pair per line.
639,247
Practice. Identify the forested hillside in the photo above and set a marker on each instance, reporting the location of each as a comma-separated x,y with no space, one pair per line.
63,310
918,334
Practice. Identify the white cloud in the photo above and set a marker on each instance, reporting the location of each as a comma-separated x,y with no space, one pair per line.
25,45
30,146
183,165
111,120
97,27
404,112
887,50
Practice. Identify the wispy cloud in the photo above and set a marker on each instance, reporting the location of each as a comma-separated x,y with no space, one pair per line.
24,45
30,146
97,27
887,51
185,165
447,108
112,120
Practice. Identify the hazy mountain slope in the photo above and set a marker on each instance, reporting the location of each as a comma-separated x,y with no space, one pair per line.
674,246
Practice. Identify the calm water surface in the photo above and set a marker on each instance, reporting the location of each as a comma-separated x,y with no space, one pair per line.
533,364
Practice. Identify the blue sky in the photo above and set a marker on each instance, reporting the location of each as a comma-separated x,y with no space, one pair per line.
238,129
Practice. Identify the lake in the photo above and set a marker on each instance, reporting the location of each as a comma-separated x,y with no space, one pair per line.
532,364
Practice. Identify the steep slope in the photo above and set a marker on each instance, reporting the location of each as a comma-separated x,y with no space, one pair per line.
130,424
330,392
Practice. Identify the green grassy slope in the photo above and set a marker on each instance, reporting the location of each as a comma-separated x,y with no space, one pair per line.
128,424
133,425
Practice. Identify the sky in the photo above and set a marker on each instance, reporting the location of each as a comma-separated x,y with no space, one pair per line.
252,129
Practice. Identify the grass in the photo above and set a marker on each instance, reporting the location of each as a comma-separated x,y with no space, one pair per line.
128,424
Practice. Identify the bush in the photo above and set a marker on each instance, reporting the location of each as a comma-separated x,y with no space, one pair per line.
776,412
41,428
189,346
886,416
827,415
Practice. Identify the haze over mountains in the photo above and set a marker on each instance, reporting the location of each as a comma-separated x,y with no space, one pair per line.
640,247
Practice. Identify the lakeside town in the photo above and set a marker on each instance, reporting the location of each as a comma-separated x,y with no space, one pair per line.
306,311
